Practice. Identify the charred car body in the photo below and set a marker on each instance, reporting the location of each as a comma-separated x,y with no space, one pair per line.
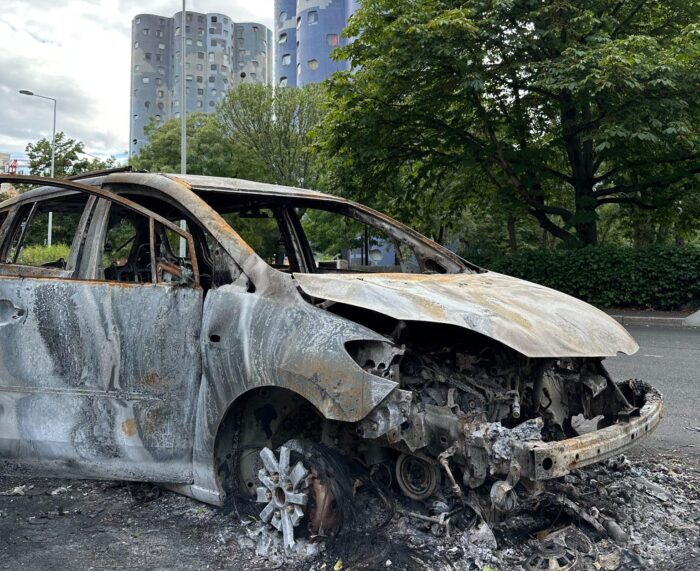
163,347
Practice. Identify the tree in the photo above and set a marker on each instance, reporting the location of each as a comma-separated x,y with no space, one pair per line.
565,106
68,159
209,150
277,126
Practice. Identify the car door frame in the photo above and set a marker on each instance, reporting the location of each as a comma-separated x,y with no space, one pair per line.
140,464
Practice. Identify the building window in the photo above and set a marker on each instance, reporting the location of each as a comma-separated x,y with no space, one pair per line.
298,69
200,44
200,79
332,40
255,63
137,68
161,70
147,56
160,105
200,19
200,92
313,64
159,81
255,29
212,79
161,93
161,46
136,117
200,67
199,103
283,38
158,118
200,31
159,57
211,104
298,22
189,78
214,20
212,30
225,81
253,75
283,18
312,17
136,45
159,33
136,92
189,41
189,17
146,104
138,21
286,59
200,55
213,92
178,31
134,142
213,67
224,69
283,82
212,56
187,29
146,32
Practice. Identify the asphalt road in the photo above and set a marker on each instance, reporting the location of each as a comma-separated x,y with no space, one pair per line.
669,359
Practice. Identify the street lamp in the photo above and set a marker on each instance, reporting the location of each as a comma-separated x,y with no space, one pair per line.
53,150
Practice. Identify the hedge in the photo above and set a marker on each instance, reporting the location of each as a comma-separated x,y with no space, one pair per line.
653,277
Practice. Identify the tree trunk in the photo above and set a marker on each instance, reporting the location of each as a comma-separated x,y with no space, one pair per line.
512,238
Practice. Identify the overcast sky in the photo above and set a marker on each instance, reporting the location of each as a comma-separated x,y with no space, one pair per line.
78,51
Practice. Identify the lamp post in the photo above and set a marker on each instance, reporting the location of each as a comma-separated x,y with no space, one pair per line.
53,150
183,109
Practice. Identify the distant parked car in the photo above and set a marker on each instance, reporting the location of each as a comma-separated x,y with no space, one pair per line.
210,334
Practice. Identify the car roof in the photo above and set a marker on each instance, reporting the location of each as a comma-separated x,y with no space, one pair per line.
196,183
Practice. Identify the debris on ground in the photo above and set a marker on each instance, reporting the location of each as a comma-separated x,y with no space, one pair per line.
620,515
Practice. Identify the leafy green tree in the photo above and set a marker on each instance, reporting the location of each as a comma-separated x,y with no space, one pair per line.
209,151
567,107
70,158
277,126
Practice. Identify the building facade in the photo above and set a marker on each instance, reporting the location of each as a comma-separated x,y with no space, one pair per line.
306,32
219,54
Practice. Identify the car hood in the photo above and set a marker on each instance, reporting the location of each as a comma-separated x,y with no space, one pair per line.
534,320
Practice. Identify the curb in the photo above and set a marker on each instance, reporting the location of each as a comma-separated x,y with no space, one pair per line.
654,321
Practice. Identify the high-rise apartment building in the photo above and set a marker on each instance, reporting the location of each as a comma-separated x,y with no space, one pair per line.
219,54
306,32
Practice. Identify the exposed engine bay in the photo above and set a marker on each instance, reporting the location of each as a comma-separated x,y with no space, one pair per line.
472,422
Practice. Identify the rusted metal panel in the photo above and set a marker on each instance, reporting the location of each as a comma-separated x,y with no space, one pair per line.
546,460
532,319
98,379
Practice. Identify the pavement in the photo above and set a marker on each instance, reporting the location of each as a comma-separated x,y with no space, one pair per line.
655,318
669,359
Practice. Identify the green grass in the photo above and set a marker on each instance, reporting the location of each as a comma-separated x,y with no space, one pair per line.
39,255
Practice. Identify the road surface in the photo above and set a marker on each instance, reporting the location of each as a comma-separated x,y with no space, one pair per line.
669,359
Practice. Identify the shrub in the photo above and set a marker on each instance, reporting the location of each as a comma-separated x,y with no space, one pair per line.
654,277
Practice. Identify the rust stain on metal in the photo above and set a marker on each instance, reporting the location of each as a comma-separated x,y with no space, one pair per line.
129,427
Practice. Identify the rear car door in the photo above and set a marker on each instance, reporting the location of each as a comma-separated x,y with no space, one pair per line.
99,350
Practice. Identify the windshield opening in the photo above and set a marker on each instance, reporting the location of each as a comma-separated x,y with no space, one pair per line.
325,236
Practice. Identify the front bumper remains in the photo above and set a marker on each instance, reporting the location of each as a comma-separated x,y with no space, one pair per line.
545,460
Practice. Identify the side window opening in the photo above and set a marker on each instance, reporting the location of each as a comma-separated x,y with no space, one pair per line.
262,230
29,240
139,249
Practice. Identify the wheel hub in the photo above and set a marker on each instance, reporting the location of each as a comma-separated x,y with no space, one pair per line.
285,490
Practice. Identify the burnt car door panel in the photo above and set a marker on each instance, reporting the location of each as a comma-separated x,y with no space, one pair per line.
99,377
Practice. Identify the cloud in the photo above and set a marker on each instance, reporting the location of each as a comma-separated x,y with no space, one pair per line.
79,52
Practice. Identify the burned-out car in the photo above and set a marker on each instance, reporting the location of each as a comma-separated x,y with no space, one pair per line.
212,334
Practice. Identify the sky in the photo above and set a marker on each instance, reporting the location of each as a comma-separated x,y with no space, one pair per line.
79,52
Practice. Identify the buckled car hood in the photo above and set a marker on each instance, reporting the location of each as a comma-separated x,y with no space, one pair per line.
534,320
